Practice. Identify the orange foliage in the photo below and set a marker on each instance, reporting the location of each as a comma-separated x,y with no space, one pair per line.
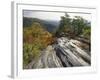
37,34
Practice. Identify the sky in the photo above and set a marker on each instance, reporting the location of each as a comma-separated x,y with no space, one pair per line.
53,15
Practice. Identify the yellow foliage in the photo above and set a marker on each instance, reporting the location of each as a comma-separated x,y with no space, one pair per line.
35,38
37,33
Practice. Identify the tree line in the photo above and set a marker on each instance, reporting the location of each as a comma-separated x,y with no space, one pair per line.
73,27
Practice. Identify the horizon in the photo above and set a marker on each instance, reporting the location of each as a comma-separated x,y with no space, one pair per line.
53,16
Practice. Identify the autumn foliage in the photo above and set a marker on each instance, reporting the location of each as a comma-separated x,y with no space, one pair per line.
35,39
36,33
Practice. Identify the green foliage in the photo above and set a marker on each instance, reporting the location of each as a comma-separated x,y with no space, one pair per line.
78,25
30,52
64,24
87,32
74,26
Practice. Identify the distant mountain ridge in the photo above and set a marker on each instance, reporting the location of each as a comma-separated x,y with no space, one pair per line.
50,25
